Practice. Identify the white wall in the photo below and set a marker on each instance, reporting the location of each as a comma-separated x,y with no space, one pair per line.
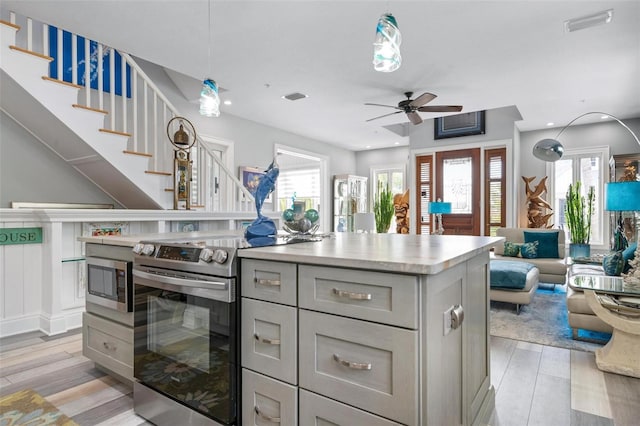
29,171
608,133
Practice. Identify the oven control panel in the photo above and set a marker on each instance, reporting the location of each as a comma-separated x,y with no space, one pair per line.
185,254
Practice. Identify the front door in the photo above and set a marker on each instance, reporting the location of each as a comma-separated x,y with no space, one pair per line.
458,183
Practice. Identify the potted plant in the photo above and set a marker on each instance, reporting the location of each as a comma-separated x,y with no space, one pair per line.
578,212
383,209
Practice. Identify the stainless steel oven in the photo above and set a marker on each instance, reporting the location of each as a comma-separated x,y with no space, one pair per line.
109,283
186,365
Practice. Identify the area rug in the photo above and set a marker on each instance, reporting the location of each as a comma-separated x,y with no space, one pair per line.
27,407
543,321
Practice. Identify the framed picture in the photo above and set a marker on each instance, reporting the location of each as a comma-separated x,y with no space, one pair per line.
453,126
250,178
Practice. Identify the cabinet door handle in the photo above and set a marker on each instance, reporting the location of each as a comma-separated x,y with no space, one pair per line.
265,340
265,417
261,281
351,295
351,364
109,346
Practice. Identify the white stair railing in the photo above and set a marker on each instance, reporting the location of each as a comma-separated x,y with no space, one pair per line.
139,110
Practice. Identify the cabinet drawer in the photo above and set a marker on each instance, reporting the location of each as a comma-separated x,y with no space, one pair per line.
270,281
321,411
109,344
370,366
372,296
266,401
269,339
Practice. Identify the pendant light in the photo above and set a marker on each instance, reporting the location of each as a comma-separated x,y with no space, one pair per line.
386,47
209,99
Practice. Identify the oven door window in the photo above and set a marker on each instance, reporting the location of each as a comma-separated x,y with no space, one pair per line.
184,347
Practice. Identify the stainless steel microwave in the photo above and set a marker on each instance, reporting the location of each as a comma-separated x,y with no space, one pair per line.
110,283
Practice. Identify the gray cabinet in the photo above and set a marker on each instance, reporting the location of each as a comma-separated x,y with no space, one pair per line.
371,347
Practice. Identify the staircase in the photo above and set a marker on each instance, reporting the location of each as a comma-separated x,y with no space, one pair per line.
118,142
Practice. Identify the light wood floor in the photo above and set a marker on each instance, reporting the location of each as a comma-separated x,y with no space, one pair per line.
535,384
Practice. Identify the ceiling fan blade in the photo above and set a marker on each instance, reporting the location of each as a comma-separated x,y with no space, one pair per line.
426,97
388,106
414,117
441,108
391,113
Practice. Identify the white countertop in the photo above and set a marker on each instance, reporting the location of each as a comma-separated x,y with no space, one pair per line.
132,239
401,253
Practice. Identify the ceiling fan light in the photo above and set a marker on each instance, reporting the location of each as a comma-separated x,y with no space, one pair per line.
386,47
209,99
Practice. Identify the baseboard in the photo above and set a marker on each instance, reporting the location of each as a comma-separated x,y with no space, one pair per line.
49,325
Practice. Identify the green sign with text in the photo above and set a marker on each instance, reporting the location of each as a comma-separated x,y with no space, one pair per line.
20,236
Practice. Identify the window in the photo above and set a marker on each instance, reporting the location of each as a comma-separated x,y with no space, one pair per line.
588,167
424,167
303,184
391,178
495,190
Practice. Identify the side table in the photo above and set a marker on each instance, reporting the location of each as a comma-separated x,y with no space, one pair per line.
620,355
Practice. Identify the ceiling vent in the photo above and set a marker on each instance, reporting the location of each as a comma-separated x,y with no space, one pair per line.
294,96
589,21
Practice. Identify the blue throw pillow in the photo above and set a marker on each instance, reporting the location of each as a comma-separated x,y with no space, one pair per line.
547,243
511,249
628,254
613,263
529,250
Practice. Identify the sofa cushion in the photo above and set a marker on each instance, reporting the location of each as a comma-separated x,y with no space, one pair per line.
529,250
547,242
613,263
577,303
550,266
629,254
516,235
511,249
509,274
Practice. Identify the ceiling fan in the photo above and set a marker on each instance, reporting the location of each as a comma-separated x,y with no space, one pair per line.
412,106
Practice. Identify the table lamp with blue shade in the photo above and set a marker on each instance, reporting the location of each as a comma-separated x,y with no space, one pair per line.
438,208
625,196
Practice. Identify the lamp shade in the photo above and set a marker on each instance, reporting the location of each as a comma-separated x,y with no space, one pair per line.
439,207
209,100
548,150
623,196
386,48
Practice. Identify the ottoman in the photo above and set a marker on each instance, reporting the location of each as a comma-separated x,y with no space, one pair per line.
513,282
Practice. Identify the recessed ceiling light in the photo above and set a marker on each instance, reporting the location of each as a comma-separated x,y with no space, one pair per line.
550,123
396,143
599,18
295,96
604,117
368,146
227,102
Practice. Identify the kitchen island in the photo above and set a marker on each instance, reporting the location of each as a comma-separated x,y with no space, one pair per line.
380,329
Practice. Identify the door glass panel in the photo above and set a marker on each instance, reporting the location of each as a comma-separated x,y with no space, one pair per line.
457,184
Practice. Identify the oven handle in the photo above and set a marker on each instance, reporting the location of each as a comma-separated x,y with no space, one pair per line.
180,282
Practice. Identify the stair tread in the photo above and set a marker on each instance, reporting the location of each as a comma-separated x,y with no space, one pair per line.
66,83
29,52
9,24
115,132
90,109
144,154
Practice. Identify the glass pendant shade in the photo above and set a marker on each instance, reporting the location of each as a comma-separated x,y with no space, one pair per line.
209,100
439,207
386,48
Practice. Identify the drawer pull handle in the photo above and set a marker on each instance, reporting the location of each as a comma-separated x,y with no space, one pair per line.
261,281
351,295
109,346
265,340
351,364
265,417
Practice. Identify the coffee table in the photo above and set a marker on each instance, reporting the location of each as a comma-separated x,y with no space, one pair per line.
620,355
